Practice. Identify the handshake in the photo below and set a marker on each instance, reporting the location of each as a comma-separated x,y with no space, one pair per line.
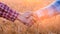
9,14
26,18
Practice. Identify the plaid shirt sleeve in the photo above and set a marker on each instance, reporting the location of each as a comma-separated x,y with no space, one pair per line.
7,13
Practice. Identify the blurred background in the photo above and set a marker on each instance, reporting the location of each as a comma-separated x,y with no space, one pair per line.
47,26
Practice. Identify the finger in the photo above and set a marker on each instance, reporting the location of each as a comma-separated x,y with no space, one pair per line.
27,14
30,21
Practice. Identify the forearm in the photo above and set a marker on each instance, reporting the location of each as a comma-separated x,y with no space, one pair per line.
48,12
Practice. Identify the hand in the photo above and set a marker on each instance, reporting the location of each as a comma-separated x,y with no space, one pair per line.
27,14
26,18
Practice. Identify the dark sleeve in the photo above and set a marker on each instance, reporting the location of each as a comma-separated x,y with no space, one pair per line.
7,13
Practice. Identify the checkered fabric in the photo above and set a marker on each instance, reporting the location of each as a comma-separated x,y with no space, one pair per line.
7,13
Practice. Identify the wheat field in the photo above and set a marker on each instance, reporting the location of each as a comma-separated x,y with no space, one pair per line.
47,26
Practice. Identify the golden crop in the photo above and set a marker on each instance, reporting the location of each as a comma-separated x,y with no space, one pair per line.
50,25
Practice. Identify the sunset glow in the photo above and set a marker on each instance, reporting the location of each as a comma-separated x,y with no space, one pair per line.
43,19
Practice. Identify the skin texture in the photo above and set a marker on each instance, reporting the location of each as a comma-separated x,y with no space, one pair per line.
48,25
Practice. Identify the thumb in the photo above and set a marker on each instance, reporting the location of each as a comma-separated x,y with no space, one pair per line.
27,14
